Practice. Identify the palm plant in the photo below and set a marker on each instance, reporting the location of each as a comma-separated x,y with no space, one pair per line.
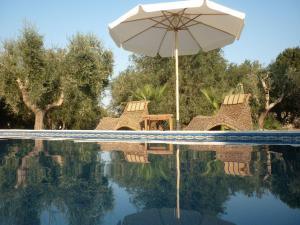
211,98
150,93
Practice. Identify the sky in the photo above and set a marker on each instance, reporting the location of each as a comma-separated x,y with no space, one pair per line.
270,25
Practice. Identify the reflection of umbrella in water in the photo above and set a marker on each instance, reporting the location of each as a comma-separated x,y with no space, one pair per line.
167,216
170,215
177,28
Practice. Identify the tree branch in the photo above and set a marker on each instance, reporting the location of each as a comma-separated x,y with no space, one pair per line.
278,100
25,96
263,81
266,90
56,103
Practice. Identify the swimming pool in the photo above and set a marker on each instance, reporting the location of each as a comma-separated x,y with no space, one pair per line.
181,137
147,181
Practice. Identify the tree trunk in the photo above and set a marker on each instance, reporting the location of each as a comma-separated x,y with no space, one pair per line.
261,119
39,120
266,83
39,113
38,146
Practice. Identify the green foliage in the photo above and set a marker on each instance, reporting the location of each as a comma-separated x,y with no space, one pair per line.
153,94
124,88
271,123
88,67
245,78
211,98
197,72
149,93
285,72
10,119
296,122
38,68
285,75
205,79
201,71
81,72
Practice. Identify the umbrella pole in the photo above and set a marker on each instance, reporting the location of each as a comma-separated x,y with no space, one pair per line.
177,183
177,81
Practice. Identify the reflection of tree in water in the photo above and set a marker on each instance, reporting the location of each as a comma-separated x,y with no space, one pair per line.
150,184
202,191
285,179
205,184
153,185
67,177
64,176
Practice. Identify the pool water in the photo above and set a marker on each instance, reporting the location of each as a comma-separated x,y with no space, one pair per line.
66,182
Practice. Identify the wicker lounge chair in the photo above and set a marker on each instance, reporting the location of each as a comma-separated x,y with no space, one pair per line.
135,117
131,118
234,113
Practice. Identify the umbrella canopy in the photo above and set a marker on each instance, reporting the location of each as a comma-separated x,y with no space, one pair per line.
177,28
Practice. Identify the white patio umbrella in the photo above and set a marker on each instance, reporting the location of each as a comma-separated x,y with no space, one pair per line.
177,28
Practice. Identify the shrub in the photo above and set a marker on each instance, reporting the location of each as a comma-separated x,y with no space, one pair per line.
271,123
296,122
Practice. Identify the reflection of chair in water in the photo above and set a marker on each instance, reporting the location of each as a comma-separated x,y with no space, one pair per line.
137,152
159,149
236,158
133,152
237,168
136,157
234,113
134,117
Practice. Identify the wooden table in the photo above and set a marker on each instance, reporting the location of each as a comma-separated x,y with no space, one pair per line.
159,117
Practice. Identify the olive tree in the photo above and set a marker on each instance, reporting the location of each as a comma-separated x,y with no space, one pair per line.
62,85
31,75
